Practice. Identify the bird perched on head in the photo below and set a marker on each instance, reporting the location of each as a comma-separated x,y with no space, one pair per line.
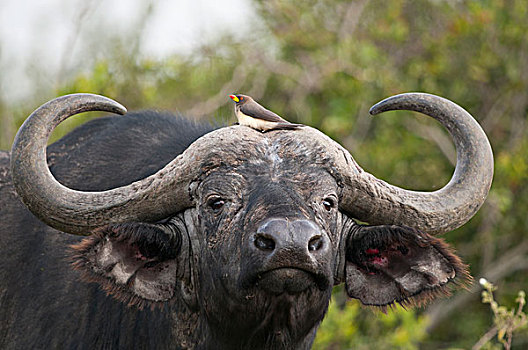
250,113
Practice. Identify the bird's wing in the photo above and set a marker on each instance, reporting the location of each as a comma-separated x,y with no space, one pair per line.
257,111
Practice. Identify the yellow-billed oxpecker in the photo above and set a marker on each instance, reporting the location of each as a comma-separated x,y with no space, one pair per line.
250,113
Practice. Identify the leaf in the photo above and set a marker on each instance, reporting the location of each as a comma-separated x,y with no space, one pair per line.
500,334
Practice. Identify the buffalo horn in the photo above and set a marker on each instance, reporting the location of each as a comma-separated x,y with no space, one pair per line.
78,212
377,202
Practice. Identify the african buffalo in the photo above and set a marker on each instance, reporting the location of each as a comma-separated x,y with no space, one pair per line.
226,239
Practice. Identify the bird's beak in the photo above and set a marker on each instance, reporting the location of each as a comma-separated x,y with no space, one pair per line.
234,98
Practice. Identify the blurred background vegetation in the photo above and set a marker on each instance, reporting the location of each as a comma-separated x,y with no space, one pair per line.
324,63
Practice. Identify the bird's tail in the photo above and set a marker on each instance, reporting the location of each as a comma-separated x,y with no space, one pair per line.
287,126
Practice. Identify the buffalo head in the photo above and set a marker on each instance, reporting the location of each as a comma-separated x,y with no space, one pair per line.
251,231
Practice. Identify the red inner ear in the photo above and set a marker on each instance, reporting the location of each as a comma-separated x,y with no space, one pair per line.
387,264
382,261
137,253
390,256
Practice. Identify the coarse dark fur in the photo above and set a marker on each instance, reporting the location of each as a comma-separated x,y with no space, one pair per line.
225,287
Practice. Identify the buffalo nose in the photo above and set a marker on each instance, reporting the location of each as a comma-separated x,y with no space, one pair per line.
296,236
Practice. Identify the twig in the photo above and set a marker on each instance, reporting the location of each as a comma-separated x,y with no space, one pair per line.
485,338
492,215
79,22
212,104
434,134
351,18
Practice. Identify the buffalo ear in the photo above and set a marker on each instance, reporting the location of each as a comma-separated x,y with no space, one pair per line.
388,264
135,262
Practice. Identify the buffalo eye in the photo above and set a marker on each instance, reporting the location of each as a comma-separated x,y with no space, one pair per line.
328,203
215,203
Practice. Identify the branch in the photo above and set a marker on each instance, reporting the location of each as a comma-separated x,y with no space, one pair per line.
259,83
212,104
491,216
485,338
435,135
351,18
80,21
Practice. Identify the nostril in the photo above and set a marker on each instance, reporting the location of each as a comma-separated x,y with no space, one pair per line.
315,243
264,243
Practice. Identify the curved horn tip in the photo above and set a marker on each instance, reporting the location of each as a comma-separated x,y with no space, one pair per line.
117,107
112,106
105,104
120,109
388,104
376,109
381,106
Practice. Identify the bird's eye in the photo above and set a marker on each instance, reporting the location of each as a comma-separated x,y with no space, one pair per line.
328,203
216,203
241,98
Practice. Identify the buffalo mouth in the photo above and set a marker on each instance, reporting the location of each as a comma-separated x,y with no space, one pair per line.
290,280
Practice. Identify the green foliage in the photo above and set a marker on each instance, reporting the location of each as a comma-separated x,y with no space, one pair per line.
506,321
324,63
352,326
